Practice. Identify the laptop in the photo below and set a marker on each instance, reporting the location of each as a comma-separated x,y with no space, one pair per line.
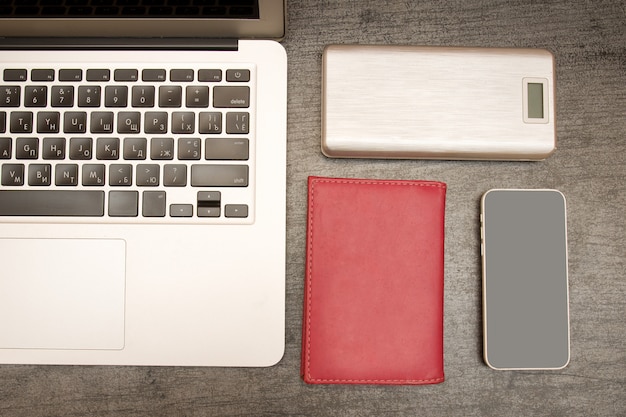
142,182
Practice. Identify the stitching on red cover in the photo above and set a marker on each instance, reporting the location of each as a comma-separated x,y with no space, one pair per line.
314,181
379,182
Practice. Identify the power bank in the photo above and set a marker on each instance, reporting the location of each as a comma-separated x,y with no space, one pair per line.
438,102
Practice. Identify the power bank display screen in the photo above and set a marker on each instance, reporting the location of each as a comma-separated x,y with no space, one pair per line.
525,290
535,100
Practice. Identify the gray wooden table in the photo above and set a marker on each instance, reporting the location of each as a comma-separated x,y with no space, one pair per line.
589,42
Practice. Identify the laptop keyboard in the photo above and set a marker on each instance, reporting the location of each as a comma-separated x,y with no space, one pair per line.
137,144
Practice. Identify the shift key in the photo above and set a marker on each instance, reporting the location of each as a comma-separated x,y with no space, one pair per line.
219,175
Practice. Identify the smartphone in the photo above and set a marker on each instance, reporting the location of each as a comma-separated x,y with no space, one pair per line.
524,277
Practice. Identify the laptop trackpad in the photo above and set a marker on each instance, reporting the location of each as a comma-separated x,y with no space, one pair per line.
62,293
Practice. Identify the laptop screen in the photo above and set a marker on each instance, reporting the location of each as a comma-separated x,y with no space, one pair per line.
248,19
225,9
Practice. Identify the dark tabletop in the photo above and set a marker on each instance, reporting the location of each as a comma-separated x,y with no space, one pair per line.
588,39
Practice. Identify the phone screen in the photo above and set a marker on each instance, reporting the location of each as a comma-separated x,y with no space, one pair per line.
525,290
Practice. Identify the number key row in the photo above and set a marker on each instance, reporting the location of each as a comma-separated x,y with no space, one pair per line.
118,96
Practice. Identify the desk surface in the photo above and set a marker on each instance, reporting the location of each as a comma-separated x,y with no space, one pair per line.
589,167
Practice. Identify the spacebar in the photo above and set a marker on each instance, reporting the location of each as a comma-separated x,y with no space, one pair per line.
51,203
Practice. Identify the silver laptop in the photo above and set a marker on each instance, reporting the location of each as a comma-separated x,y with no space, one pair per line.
142,189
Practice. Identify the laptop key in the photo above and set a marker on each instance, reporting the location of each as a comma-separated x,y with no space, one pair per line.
236,210
219,175
126,75
12,174
53,148
187,11
238,75
210,75
42,75
62,96
162,148
79,11
148,175
121,175
93,175
123,203
175,175
75,122
226,149
155,75
156,122
153,204
183,122
51,203
98,75
128,122
143,96
5,148
81,148
197,96
66,174
48,122
70,75
181,210
224,97
189,148
39,174
15,74
27,148
89,96
107,11
135,148
133,11
35,96
115,96
181,75
170,96
209,203
26,10
209,211
53,11
237,123
21,122
102,122
160,10
108,148
10,96
209,198
210,123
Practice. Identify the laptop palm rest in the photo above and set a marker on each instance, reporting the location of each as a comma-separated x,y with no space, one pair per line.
62,293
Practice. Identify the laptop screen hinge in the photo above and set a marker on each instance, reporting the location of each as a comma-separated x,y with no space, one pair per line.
198,44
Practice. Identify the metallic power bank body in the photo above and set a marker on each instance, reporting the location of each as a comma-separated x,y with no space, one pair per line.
438,103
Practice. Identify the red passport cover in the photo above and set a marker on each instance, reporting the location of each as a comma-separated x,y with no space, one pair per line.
373,301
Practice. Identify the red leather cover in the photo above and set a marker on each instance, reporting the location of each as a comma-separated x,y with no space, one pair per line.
373,307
